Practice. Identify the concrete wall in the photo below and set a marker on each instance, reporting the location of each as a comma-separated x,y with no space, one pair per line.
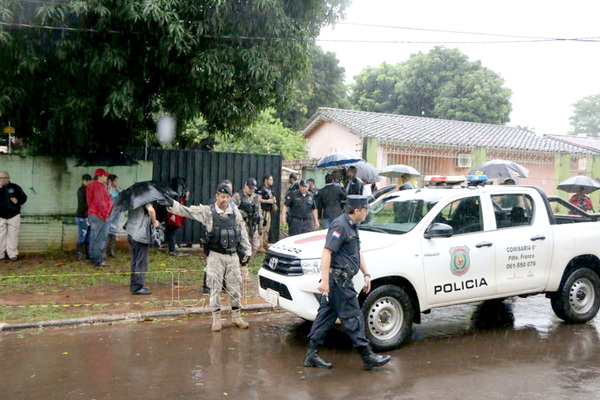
48,217
330,137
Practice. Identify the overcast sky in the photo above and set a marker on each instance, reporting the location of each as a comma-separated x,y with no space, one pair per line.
546,77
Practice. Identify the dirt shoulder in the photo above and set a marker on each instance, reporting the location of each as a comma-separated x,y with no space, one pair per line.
57,286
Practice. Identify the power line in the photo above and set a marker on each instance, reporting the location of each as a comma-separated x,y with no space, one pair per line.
459,32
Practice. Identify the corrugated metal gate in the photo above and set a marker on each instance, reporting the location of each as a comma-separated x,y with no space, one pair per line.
203,171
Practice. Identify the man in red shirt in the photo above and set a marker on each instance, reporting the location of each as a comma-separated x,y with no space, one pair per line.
99,208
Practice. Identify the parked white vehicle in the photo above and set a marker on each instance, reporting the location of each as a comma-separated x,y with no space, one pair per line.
434,247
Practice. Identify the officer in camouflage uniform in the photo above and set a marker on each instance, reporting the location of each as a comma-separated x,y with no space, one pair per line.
340,261
302,208
247,202
226,230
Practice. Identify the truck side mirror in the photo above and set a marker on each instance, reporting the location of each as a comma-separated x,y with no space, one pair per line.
438,229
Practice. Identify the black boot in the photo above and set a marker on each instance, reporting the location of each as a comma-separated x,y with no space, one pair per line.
371,359
313,359
80,252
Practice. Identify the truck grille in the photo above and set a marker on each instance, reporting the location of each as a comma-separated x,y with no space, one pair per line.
284,265
266,283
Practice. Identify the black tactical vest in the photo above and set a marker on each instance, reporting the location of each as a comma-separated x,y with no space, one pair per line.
225,235
249,205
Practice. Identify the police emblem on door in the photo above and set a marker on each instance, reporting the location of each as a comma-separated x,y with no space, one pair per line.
459,260
273,263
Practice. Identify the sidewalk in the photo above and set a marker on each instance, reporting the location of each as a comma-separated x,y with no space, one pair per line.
57,290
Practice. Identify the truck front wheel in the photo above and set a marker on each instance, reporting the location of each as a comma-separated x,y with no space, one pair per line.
578,299
388,314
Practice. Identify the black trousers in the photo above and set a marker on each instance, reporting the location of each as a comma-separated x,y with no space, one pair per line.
171,237
342,303
139,263
298,226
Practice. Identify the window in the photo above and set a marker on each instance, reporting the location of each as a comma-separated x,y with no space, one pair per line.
398,214
512,210
463,215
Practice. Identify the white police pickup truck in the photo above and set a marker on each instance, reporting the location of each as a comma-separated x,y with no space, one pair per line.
430,247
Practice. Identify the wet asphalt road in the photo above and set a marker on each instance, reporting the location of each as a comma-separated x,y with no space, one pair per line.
512,350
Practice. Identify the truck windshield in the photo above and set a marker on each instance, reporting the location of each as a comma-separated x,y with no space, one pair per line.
397,214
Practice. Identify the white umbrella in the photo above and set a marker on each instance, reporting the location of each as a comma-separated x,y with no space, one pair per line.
397,170
337,159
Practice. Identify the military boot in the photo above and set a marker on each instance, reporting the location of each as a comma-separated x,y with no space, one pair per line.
80,252
216,324
371,359
237,320
313,359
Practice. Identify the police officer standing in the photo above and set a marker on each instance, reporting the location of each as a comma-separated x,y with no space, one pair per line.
268,204
303,211
340,261
247,202
330,201
293,181
226,230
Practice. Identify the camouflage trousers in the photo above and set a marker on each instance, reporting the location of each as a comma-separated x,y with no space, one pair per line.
223,268
265,225
255,239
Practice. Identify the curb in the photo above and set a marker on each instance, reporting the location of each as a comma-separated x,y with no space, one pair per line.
125,317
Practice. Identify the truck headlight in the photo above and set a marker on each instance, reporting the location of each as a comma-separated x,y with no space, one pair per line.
311,267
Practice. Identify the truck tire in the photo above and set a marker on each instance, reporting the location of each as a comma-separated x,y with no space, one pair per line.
578,299
388,313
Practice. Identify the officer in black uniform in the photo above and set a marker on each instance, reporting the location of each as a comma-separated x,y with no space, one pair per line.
341,260
293,181
330,201
302,210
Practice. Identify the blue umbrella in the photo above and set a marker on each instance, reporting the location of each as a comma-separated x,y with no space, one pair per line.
337,159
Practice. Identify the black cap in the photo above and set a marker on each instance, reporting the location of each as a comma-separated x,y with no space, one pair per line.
310,180
357,201
251,182
293,176
302,183
223,188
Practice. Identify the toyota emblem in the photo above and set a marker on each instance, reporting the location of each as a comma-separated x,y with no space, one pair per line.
273,263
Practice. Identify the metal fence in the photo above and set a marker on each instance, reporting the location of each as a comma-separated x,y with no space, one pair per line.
203,170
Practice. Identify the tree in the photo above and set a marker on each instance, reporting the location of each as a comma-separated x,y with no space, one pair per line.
374,89
323,86
85,74
586,116
440,84
266,135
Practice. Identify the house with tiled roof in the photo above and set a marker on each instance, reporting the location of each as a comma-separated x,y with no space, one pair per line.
446,147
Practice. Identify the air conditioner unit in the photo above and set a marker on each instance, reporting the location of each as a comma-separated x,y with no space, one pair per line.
463,161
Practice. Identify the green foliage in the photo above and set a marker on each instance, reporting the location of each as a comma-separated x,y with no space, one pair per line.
323,86
586,116
265,136
98,84
440,84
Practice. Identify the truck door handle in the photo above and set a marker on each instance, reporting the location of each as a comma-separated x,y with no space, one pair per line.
484,244
538,237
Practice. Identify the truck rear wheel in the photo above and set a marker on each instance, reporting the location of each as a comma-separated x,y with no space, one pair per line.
578,299
388,314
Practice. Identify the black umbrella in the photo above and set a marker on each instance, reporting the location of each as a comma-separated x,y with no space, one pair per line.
574,183
500,169
140,194
337,159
